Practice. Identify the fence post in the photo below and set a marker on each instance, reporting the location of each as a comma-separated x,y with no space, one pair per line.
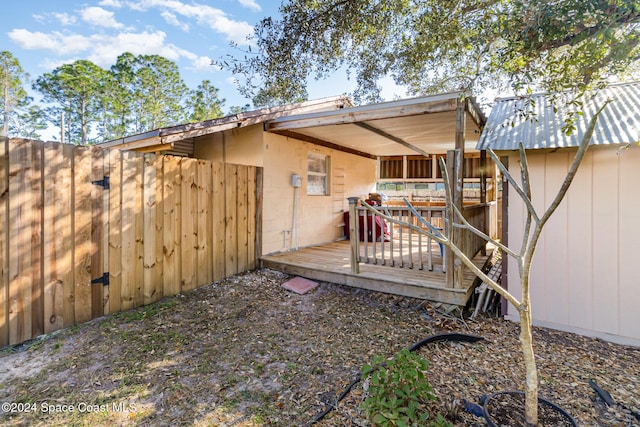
353,234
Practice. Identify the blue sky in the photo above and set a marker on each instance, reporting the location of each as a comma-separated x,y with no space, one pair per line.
43,34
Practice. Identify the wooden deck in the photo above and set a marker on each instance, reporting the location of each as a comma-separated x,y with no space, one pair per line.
330,263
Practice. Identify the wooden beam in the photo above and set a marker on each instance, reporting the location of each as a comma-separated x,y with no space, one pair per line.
364,114
393,138
155,148
475,112
200,132
323,143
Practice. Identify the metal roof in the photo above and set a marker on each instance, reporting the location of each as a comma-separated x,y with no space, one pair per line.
619,122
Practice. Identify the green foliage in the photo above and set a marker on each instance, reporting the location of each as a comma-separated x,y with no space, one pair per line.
432,46
75,89
204,103
137,94
14,101
398,392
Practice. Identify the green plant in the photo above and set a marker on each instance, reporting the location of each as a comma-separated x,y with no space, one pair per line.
398,391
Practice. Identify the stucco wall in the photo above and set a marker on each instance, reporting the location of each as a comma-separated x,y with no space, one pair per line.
242,146
584,277
318,216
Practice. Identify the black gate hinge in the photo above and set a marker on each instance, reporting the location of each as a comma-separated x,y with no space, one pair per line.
104,279
104,183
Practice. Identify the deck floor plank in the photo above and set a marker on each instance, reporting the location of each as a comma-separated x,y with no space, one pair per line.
330,262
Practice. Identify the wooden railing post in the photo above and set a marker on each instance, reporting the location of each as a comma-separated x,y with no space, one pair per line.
454,265
353,234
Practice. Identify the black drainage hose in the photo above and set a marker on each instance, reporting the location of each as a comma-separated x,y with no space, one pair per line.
455,337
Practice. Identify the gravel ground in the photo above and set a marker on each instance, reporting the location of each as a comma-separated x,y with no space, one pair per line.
245,352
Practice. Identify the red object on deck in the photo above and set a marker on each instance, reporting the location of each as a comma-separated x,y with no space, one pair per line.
381,228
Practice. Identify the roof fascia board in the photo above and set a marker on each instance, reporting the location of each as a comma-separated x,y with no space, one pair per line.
364,113
127,140
190,130
200,132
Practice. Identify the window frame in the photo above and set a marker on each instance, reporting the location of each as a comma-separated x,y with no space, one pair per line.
327,167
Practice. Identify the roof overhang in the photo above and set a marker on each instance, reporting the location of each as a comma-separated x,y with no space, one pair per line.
179,139
424,125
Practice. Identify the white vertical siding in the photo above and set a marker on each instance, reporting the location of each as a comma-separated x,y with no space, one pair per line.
585,275
629,242
605,267
580,239
554,251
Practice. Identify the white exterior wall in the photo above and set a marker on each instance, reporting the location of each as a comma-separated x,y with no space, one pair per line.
584,276
317,215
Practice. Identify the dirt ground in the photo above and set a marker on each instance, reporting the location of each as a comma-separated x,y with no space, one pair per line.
246,352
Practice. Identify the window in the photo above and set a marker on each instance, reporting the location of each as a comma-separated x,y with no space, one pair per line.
391,167
418,167
317,175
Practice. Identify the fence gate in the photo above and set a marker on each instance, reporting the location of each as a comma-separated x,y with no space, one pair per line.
86,231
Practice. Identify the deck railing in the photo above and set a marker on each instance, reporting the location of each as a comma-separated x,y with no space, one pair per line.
377,241
477,216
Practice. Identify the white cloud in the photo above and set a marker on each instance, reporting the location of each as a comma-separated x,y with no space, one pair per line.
250,4
37,40
203,63
111,3
99,17
206,16
172,19
102,49
62,18
65,18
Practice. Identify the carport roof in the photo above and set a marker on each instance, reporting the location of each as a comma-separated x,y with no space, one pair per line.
423,125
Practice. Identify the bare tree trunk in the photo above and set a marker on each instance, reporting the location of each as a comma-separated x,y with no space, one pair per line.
526,344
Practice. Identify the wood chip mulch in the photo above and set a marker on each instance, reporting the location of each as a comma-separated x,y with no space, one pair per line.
246,352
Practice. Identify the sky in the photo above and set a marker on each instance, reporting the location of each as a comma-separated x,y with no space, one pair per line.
44,34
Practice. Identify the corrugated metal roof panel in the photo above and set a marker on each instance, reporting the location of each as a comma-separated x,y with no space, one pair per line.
619,122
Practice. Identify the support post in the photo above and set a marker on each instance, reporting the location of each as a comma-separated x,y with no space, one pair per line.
353,234
483,196
454,265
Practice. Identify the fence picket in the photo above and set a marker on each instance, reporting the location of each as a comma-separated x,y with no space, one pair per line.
97,231
36,184
138,222
56,207
218,221
20,274
82,220
4,242
151,202
127,288
204,243
231,222
242,235
188,201
251,217
114,289
171,226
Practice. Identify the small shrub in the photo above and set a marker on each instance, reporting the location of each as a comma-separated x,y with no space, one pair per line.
398,392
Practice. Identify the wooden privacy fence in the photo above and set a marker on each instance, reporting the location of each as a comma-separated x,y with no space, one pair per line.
86,231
